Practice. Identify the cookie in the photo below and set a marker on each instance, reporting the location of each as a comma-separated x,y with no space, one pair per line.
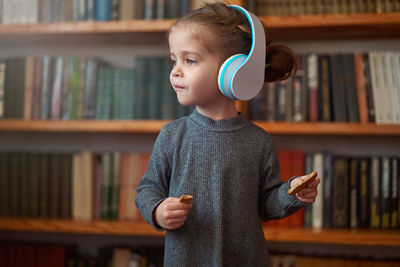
303,183
186,199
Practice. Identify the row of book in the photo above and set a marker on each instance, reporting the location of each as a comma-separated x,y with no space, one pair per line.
17,254
50,11
72,88
355,192
335,87
306,7
80,186
281,260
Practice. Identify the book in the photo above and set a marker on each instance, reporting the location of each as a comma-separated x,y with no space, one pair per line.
340,109
394,194
375,193
364,192
361,87
325,189
127,9
350,88
103,10
385,192
313,86
354,193
324,70
4,185
318,205
340,192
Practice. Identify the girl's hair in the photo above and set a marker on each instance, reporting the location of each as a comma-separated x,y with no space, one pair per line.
231,31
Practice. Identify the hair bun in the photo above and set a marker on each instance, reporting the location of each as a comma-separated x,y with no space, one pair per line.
280,63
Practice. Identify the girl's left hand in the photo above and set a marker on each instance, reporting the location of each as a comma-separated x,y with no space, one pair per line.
309,193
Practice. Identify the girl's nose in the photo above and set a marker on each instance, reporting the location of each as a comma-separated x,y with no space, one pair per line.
176,71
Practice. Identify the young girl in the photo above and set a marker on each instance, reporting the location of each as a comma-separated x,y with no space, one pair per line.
224,161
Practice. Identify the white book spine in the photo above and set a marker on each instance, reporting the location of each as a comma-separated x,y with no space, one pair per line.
317,207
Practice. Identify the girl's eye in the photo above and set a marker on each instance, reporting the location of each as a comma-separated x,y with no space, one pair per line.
190,61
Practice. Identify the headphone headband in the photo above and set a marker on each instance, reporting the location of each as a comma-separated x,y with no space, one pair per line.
241,77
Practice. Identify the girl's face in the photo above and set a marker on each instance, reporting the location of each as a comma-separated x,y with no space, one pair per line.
195,69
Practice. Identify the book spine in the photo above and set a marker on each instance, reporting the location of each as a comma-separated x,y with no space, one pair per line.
313,86
326,185
340,196
325,82
103,10
318,206
4,185
394,196
45,92
364,193
2,85
361,87
385,193
354,194
375,185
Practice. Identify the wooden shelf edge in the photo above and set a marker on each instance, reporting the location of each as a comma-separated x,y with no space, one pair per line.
154,126
126,26
79,227
327,128
332,20
89,126
149,26
370,237
367,237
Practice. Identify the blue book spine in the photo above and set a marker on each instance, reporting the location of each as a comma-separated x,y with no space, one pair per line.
102,10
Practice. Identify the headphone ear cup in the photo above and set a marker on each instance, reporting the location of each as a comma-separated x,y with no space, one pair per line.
227,72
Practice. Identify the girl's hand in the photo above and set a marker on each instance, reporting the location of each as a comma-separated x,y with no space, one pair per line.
309,193
171,214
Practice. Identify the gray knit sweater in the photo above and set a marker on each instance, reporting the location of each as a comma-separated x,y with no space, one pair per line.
232,170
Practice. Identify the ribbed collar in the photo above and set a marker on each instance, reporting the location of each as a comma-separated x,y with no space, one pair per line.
220,125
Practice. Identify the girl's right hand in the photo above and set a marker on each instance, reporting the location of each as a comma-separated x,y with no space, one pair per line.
171,213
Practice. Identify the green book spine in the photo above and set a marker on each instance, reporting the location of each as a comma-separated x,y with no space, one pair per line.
75,81
115,185
100,93
140,91
153,85
117,93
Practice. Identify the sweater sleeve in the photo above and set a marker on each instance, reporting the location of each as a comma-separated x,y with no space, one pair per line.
274,202
154,185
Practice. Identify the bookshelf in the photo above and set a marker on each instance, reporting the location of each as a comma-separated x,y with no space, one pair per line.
294,28
325,236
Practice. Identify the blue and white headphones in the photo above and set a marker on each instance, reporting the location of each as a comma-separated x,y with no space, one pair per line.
241,77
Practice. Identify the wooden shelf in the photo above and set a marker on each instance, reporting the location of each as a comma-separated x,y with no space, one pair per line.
329,236
78,227
154,126
87,32
334,26
305,27
363,237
